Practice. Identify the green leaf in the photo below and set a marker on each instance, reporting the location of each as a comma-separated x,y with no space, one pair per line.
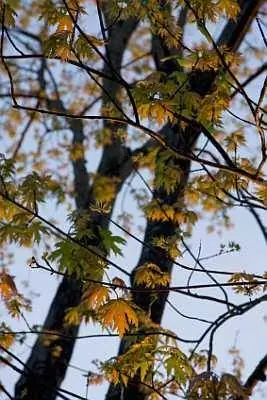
110,241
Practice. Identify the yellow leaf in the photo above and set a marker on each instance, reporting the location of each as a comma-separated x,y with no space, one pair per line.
114,376
7,286
155,110
104,188
63,52
230,7
65,24
101,207
74,5
143,110
156,212
261,193
56,351
72,317
95,296
117,314
7,340
169,244
151,275
76,151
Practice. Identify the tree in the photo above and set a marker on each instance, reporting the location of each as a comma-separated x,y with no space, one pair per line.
157,106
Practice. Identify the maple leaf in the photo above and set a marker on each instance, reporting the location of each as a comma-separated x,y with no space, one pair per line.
177,365
151,275
110,241
95,296
250,286
104,188
261,193
72,316
118,314
64,53
65,24
101,207
155,110
7,286
6,339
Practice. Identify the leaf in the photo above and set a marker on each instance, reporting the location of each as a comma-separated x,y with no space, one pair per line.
72,316
231,385
65,24
7,286
118,314
110,241
156,110
169,244
15,303
95,296
76,150
105,188
83,47
78,260
250,285
9,17
151,275
95,41
101,207
230,7
177,365
261,193
188,62
138,359
157,212
6,339
235,140
64,54
57,44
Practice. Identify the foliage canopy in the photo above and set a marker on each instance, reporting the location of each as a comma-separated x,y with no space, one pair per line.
178,138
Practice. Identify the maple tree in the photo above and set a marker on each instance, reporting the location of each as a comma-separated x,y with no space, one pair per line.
156,106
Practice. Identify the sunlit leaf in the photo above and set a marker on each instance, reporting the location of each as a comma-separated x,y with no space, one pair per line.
118,315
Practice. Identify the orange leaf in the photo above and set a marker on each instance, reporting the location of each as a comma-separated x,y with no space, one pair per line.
117,314
65,24
7,286
95,296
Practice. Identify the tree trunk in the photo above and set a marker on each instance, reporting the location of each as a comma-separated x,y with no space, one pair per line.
44,372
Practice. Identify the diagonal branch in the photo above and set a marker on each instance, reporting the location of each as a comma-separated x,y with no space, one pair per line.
258,375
